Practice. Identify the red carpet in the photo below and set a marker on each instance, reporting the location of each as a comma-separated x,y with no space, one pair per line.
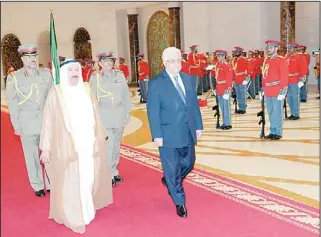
142,207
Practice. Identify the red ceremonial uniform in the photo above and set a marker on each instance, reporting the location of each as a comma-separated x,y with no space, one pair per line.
297,67
124,68
194,64
143,70
307,59
240,69
224,77
185,67
250,67
257,65
275,75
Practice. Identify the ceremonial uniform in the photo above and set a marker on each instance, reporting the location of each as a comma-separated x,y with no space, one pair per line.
194,66
224,77
250,70
185,67
275,81
88,69
114,101
257,70
304,89
26,96
239,65
297,73
213,73
124,68
317,72
143,77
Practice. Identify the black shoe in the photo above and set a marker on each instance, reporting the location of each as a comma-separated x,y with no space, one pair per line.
296,118
113,183
303,100
270,136
227,127
276,137
291,117
40,193
181,210
165,184
117,178
318,98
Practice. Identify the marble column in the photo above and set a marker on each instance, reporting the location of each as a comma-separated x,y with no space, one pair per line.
174,25
132,15
287,26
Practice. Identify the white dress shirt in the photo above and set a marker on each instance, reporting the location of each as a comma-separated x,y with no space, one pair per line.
180,81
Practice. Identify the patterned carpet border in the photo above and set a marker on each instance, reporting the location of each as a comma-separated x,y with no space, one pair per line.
278,207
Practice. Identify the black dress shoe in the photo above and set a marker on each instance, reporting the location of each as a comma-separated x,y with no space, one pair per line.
269,136
40,193
227,127
181,210
303,100
291,117
276,137
296,117
117,178
113,183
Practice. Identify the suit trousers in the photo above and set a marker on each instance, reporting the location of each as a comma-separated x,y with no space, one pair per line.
294,99
276,114
30,146
113,148
177,163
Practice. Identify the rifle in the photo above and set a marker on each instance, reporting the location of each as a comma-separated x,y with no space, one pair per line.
235,100
217,114
262,115
285,109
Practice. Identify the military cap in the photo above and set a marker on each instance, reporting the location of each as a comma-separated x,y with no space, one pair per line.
193,46
102,54
28,49
89,60
301,46
238,49
251,52
121,58
220,52
274,43
292,45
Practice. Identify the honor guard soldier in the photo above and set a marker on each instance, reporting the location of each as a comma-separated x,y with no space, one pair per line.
304,89
297,75
239,64
185,67
27,90
88,69
194,64
317,71
275,81
224,77
143,77
110,87
251,64
124,68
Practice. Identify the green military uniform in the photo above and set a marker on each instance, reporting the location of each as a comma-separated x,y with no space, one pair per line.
112,93
26,96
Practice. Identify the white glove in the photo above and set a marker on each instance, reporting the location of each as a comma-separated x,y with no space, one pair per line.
158,142
281,97
261,94
300,84
226,96
45,157
146,79
245,82
198,134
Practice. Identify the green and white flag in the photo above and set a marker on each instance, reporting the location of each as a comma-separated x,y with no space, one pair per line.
55,63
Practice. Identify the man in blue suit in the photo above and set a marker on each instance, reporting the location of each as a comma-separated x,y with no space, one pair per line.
176,123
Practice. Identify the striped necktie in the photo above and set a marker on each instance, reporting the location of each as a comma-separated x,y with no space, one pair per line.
179,89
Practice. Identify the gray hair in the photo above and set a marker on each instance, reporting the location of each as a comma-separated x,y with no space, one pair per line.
169,52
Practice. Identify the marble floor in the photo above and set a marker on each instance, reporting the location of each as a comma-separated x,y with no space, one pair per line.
288,167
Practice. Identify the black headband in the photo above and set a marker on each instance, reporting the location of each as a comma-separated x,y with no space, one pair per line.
69,61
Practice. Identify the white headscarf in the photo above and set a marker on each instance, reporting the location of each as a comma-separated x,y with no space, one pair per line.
79,114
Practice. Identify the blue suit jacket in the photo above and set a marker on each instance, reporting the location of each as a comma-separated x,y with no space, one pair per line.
169,117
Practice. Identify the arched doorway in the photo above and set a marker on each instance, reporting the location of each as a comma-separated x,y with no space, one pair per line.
157,40
82,44
9,49
44,48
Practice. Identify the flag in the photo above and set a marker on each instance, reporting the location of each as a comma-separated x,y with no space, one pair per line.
55,63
